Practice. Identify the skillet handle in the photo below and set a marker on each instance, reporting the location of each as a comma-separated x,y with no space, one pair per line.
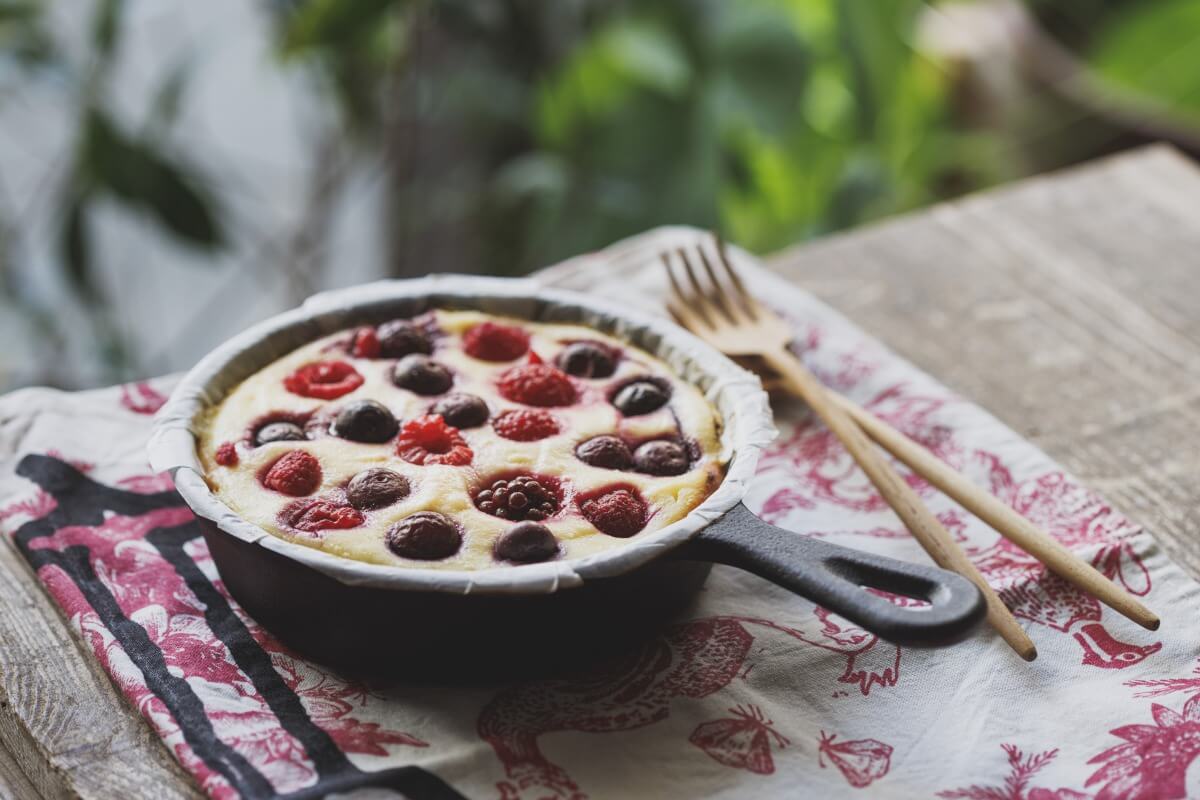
834,577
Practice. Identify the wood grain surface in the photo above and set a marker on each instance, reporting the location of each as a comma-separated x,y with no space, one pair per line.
1068,305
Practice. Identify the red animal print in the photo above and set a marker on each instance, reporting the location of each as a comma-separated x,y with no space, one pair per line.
861,761
1021,770
1079,520
1152,762
819,470
743,742
690,660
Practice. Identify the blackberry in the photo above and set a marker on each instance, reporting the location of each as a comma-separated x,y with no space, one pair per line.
519,498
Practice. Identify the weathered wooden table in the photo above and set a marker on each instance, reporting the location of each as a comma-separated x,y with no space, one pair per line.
1068,305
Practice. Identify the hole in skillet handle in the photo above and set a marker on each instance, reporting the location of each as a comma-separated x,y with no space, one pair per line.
837,578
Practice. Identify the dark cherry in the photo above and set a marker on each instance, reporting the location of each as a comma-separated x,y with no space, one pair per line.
279,432
422,375
400,337
376,488
424,536
527,543
365,421
461,410
586,360
640,397
606,452
661,457
523,497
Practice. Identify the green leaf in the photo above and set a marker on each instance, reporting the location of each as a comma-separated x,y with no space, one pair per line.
625,57
1154,49
138,174
75,244
333,23
106,26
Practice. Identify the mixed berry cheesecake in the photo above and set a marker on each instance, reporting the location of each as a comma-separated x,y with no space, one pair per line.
461,440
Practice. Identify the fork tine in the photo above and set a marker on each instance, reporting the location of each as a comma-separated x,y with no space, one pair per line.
704,302
713,297
747,299
729,301
683,305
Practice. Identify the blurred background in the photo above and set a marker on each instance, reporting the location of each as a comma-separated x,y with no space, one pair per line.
173,171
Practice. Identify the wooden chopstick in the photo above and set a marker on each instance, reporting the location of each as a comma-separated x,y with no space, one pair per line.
1004,520
917,517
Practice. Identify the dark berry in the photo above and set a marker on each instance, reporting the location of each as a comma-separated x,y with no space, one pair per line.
279,432
537,384
526,543
226,455
376,488
461,410
422,375
640,397
365,421
619,512
491,341
425,536
606,452
587,360
296,473
400,337
429,440
661,457
525,425
523,497
315,515
323,380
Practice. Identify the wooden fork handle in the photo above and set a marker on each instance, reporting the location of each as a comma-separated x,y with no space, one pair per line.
916,516
999,516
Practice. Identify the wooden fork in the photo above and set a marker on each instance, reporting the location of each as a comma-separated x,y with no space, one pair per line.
735,323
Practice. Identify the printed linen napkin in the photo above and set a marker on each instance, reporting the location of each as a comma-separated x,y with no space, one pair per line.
757,694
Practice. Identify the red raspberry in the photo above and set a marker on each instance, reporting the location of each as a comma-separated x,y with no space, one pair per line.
429,440
619,511
365,343
226,455
489,341
525,425
324,380
297,473
311,516
537,385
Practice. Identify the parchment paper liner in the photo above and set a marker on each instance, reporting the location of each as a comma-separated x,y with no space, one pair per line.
736,393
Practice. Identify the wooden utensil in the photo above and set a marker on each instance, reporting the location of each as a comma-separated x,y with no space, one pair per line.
1004,520
734,322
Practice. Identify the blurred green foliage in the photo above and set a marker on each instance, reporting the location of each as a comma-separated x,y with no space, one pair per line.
536,130
1154,49
581,122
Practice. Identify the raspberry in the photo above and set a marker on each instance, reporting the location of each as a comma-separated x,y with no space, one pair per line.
365,343
619,511
522,497
489,341
226,455
525,425
311,516
429,440
297,473
537,385
324,380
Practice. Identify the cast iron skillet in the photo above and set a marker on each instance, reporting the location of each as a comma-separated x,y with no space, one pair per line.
419,626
